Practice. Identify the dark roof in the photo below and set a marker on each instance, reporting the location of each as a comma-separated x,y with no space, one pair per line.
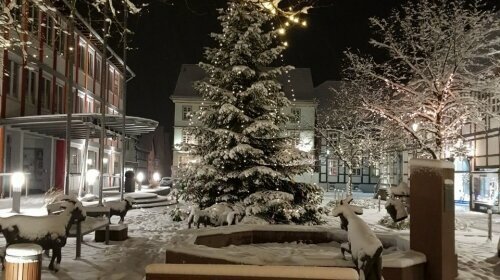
300,81
323,93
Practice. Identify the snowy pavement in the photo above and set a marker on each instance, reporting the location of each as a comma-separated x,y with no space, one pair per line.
150,231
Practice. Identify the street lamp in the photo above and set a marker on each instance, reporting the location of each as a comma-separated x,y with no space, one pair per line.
17,180
140,178
156,177
91,178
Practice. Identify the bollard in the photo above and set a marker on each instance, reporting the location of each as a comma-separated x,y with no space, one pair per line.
23,262
489,224
379,197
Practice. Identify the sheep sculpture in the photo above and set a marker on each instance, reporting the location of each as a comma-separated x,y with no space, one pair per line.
119,208
363,244
50,232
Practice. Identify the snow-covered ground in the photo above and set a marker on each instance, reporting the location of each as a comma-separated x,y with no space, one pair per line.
150,231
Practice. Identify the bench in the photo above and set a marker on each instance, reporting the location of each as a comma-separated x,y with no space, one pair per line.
97,218
246,272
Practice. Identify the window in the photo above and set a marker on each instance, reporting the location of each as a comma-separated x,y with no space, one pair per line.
90,64
116,84
47,92
97,106
59,98
15,74
33,18
187,137
183,160
110,79
49,30
356,171
186,112
495,104
295,115
90,105
74,166
32,93
80,103
16,11
332,138
332,167
60,39
98,69
81,56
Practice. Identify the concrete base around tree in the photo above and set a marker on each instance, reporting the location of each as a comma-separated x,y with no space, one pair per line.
410,264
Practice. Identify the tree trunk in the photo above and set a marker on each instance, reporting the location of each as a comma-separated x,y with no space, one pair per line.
349,181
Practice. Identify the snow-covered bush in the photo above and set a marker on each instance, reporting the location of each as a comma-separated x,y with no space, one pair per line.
387,221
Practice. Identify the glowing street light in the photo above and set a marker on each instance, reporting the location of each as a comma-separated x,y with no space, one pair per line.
140,179
156,176
17,181
91,176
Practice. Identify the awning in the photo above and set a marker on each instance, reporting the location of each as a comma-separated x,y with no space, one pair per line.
81,124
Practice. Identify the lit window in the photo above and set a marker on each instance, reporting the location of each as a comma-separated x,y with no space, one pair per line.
187,137
90,64
332,167
81,55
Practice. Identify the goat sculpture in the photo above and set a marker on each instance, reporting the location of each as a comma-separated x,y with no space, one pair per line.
50,232
119,208
363,244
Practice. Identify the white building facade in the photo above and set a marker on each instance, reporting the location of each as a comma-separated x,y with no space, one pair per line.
300,127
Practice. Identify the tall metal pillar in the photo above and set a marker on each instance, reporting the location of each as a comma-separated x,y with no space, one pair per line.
104,94
124,105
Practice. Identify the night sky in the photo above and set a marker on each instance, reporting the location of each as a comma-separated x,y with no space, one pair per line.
167,36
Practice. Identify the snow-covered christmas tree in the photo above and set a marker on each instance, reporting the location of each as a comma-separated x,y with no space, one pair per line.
243,153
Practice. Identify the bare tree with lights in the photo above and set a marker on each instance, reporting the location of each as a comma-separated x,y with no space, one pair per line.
441,70
244,156
355,136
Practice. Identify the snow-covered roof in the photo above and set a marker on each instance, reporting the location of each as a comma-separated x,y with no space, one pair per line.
300,81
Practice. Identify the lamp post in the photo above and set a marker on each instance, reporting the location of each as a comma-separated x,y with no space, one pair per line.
140,178
327,168
91,178
17,180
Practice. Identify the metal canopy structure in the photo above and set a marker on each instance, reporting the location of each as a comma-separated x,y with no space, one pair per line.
82,125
